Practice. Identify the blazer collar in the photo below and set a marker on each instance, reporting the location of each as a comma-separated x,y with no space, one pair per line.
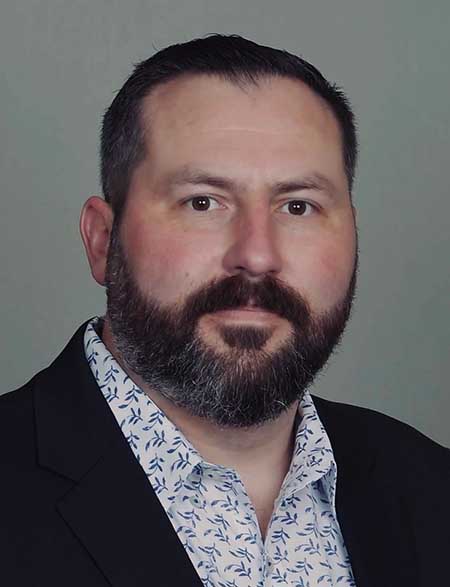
371,508
110,506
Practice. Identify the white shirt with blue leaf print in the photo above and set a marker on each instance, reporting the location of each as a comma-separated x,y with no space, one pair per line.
208,505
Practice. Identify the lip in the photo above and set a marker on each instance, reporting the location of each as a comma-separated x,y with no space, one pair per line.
246,312
248,309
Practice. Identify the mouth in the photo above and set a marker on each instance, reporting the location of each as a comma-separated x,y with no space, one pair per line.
251,313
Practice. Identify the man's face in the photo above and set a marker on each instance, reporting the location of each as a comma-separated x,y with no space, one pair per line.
241,202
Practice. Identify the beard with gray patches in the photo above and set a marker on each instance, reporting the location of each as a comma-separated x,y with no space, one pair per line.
245,385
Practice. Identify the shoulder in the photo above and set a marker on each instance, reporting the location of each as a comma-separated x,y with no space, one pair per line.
16,405
62,371
395,445
17,430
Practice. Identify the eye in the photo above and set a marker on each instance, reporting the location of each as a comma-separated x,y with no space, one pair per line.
299,208
201,203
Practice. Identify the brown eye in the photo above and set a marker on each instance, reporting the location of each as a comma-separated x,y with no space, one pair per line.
297,207
201,203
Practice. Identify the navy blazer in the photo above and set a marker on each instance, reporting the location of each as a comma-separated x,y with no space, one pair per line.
76,508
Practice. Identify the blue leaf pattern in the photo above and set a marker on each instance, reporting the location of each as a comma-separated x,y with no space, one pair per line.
209,507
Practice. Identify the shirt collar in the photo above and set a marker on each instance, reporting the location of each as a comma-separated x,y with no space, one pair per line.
313,459
170,459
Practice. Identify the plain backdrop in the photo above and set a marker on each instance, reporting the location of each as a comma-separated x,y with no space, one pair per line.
62,62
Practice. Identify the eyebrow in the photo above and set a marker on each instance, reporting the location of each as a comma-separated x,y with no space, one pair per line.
193,176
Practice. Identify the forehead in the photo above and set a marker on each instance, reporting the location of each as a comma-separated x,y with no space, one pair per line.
209,117
211,101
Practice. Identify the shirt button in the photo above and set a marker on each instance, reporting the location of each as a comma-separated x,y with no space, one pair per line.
197,472
196,478
195,501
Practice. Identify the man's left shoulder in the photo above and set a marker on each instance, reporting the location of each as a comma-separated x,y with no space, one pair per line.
395,444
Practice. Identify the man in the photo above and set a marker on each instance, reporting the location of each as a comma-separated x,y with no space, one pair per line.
174,441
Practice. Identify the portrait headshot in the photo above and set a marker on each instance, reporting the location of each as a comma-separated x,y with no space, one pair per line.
226,281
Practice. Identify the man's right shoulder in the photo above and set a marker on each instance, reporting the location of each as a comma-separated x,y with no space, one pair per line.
17,425
16,399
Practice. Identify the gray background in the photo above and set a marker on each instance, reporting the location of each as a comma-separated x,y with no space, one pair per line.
62,61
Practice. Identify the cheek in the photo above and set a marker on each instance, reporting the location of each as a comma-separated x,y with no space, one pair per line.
335,275
325,276
165,266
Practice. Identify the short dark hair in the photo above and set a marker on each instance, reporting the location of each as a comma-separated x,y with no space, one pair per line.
230,57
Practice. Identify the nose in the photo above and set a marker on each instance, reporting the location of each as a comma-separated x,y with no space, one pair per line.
253,248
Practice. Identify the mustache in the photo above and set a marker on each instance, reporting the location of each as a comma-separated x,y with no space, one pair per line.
236,291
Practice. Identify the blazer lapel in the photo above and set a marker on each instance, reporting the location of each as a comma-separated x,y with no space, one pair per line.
116,516
372,513
111,506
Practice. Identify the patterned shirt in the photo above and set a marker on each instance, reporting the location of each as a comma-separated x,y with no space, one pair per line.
209,507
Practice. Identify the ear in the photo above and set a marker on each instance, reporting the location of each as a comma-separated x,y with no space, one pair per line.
95,227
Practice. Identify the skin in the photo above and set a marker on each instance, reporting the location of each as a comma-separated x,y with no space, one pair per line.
252,139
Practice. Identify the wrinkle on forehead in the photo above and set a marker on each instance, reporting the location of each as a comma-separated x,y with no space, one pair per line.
280,127
209,101
249,130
